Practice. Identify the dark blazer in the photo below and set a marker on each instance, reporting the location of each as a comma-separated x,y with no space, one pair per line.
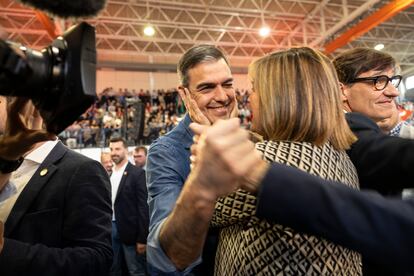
384,163
61,222
131,207
380,228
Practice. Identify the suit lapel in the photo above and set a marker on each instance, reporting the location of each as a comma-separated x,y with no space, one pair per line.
123,180
34,186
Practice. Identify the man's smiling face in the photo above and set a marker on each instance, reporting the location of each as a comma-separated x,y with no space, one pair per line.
362,97
211,86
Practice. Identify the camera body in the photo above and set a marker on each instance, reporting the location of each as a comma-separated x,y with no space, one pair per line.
60,79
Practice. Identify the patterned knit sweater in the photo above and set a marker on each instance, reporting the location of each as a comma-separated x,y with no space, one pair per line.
250,246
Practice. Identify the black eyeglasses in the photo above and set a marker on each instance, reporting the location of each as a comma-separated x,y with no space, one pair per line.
380,82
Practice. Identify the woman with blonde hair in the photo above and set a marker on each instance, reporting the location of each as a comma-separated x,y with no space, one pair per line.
296,107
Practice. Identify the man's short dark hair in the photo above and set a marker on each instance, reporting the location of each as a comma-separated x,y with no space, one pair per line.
143,148
119,139
350,64
196,55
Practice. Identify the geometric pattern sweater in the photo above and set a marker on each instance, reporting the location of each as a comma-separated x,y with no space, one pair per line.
252,246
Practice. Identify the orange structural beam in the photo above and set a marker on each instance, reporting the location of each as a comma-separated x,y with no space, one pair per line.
47,23
383,14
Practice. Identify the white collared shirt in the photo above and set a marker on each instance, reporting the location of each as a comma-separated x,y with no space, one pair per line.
116,177
22,176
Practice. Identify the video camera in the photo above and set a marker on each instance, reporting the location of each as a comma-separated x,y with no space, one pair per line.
60,79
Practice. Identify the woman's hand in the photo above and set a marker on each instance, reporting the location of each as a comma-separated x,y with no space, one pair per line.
193,110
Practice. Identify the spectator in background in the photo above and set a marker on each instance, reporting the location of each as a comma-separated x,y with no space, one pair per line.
130,220
140,156
106,162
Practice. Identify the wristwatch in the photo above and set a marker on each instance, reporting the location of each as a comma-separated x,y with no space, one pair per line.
8,166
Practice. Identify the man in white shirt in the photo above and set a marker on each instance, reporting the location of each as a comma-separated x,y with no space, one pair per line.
131,215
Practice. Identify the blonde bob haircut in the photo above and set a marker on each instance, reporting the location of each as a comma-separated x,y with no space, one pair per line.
299,98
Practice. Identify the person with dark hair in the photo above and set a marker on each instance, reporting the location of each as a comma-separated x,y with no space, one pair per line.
177,232
369,82
55,203
130,209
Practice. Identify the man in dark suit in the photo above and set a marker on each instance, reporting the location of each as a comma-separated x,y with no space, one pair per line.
369,81
378,227
56,205
131,215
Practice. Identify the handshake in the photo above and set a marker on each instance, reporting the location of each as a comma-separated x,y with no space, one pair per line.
223,159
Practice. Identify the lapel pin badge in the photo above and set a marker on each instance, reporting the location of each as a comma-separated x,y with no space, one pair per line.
43,172
125,173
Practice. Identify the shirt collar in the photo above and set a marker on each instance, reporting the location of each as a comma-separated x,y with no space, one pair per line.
39,154
122,169
396,130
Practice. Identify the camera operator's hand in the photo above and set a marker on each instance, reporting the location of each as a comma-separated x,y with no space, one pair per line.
23,129
225,159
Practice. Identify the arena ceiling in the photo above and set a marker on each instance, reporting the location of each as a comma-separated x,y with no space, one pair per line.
231,25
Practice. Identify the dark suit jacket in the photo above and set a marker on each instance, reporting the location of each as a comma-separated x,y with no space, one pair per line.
380,228
131,207
61,222
383,163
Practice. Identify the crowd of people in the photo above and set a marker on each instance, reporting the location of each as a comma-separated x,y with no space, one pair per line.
314,188
114,112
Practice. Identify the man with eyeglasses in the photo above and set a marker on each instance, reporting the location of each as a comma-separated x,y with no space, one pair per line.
369,81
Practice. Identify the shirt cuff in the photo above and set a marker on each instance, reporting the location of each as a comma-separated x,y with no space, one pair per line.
8,191
158,259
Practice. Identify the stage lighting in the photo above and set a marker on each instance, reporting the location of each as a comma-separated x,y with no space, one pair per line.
149,30
264,31
379,47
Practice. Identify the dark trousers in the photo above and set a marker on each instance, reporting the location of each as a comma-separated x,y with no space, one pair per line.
126,260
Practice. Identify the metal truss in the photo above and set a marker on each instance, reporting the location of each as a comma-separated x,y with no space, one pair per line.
231,25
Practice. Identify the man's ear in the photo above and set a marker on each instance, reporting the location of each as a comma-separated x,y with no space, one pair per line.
344,92
183,95
181,91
